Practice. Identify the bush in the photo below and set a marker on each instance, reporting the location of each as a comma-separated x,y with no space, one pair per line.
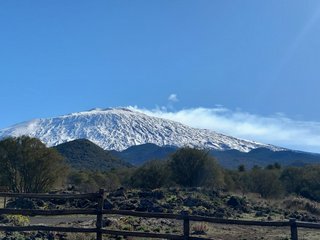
304,181
291,179
27,165
193,167
153,174
302,204
92,181
199,229
236,180
18,220
265,182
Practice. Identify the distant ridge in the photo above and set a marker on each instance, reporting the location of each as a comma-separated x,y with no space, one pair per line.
138,155
120,128
263,157
85,155
231,159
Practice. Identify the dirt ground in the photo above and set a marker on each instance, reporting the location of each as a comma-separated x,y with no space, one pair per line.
214,231
57,220
232,232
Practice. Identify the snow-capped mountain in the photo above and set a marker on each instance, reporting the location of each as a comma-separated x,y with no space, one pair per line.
120,128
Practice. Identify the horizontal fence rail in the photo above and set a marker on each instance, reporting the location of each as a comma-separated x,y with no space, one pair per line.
46,228
99,212
50,196
308,225
55,212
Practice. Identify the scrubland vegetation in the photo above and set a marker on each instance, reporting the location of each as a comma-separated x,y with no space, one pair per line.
27,165
195,168
188,180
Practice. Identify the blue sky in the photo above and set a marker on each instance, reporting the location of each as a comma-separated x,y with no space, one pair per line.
257,58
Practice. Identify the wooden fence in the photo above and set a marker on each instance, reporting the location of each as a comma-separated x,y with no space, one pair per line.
99,212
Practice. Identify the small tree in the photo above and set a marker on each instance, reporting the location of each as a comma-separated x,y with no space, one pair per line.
292,179
304,181
27,165
265,182
311,182
193,167
152,174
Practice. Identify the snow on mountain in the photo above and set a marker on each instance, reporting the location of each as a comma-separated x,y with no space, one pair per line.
120,128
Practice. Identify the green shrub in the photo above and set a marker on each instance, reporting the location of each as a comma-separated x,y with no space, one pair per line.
27,165
153,174
92,181
265,182
193,167
18,220
304,181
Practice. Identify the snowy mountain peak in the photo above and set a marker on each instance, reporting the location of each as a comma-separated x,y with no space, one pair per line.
120,128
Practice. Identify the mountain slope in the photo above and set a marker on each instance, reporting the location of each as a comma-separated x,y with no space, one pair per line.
137,155
83,154
231,159
121,128
263,157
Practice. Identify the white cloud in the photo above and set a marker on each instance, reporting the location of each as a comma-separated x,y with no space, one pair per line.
173,98
277,130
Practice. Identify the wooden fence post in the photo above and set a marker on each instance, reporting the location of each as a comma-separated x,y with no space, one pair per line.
294,229
186,225
99,214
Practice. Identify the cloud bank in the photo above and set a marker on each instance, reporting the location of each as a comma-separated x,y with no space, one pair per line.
278,130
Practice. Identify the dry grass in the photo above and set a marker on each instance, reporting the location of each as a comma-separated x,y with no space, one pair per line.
2,202
301,204
231,232
80,236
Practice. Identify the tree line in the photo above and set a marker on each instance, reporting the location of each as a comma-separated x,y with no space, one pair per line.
27,165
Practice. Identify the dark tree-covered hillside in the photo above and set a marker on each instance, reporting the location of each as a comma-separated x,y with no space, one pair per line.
84,154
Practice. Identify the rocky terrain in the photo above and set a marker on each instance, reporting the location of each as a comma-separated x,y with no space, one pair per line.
195,201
